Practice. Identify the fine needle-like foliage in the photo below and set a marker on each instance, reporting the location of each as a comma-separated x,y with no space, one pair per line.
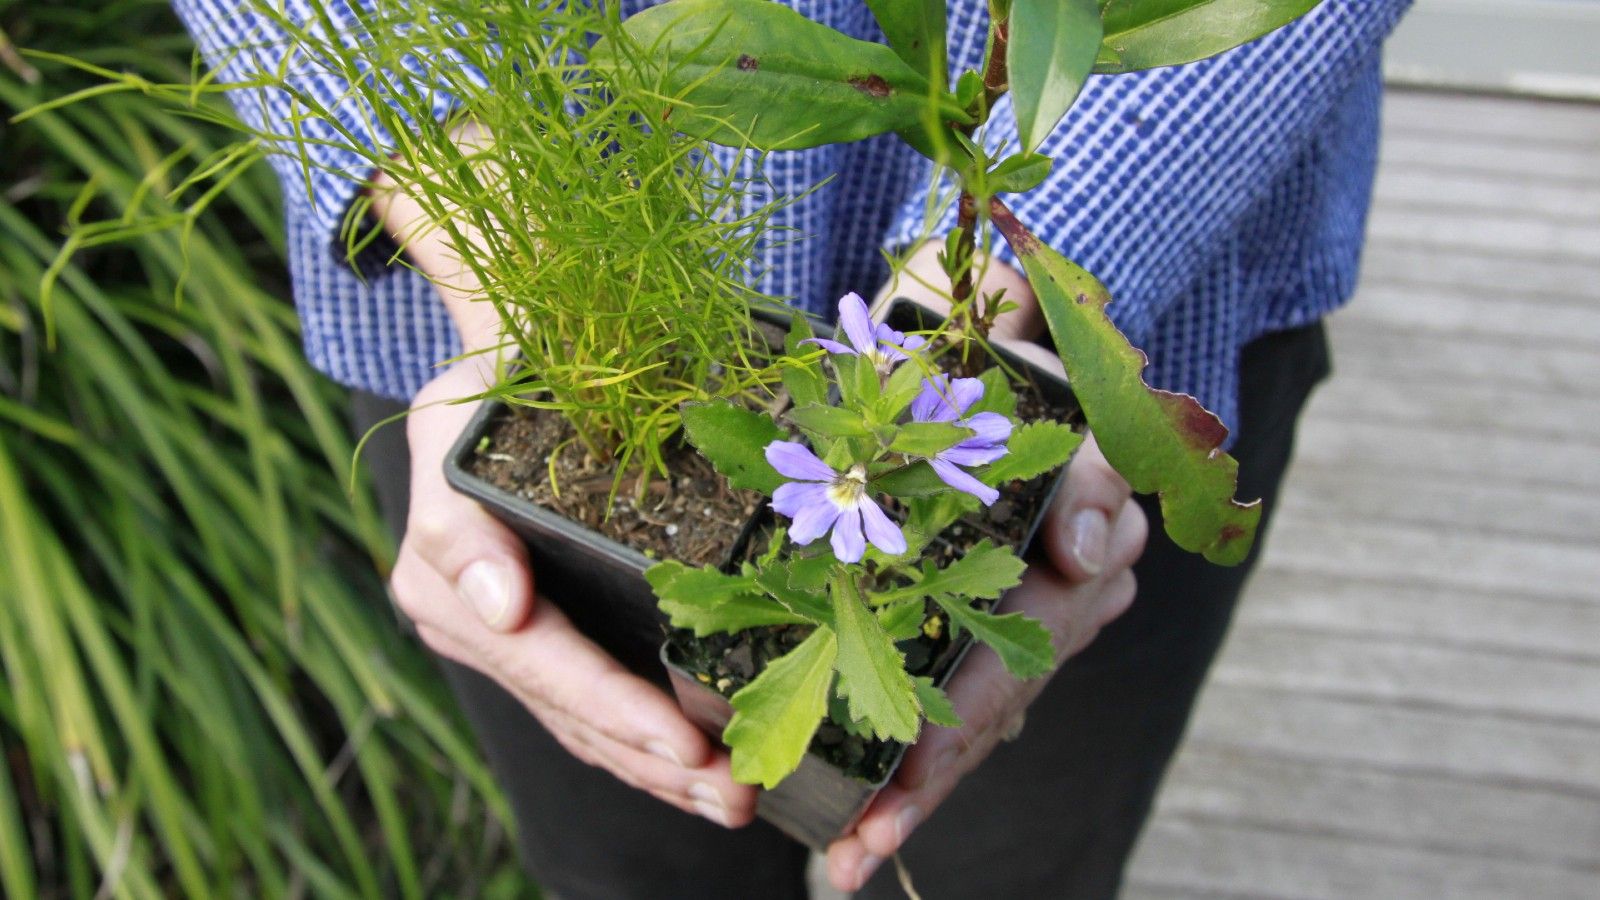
203,691
616,251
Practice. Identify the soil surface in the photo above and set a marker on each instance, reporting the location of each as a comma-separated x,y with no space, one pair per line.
691,516
726,663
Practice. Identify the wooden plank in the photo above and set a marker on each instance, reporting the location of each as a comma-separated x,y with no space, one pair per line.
1508,159
1347,731
1412,260
1357,605
1424,812
1367,393
1310,543
1536,237
1329,490
1473,193
1362,344
1435,115
1453,311
1521,686
1451,452
1223,857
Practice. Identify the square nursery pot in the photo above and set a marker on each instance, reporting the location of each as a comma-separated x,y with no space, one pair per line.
819,802
596,581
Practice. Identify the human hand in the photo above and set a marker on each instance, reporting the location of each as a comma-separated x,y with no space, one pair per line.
463,578
1093,533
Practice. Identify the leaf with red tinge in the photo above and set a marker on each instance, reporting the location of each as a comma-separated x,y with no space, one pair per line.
1161,442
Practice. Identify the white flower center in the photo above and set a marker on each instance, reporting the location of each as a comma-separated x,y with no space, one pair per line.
847,490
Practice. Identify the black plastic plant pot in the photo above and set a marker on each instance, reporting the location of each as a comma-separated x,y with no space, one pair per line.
819,802
598,582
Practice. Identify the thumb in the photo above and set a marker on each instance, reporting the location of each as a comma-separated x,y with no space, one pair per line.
483,561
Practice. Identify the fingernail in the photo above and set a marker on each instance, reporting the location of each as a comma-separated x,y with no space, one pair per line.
665,751
1089,528
705,793
869,864
486,587
906,822
708,803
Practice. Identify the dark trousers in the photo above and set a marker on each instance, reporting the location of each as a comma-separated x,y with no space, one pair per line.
1053,814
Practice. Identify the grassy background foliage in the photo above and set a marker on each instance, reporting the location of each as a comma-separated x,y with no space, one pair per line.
203,694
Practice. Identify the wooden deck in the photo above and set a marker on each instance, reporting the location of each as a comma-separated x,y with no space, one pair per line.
1409,704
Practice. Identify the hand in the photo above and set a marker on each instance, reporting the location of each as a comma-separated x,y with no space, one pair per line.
464,580
1094,532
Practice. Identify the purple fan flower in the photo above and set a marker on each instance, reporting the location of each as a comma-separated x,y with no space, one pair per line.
943,400
880,344
820,499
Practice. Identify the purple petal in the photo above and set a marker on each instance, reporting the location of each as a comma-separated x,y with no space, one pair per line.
964,392
991,427
971,453
914,342
813,521
930,405
848,544
856,322
792,497
961,481
793,459
881,530
892,353
830,346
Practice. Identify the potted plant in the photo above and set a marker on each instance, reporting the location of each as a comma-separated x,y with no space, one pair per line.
627,327
802,648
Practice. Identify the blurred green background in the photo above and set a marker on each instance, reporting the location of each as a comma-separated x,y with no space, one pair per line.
204,692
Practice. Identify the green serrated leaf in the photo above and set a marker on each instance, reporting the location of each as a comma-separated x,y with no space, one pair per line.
1052,49
1144,34
829,421
1161,442
903,621
775,715
931,515
735,440
1022,644
839,714
901,388
872,672
707,601
1034,449
810,603
756,73
915,29
985,571
1018,173
926,439
805,381
915,480
997,394
734,615
935,704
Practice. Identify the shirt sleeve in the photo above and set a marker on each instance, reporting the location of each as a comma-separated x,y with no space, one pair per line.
1154,171
324,135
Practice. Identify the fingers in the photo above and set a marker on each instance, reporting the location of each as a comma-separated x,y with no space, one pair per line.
990,701
1078,526
484,563
463,579
705,789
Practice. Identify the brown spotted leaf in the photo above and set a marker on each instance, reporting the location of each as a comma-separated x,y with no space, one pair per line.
1161,442
756,73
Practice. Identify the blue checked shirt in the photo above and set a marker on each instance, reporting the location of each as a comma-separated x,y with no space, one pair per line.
1219,201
